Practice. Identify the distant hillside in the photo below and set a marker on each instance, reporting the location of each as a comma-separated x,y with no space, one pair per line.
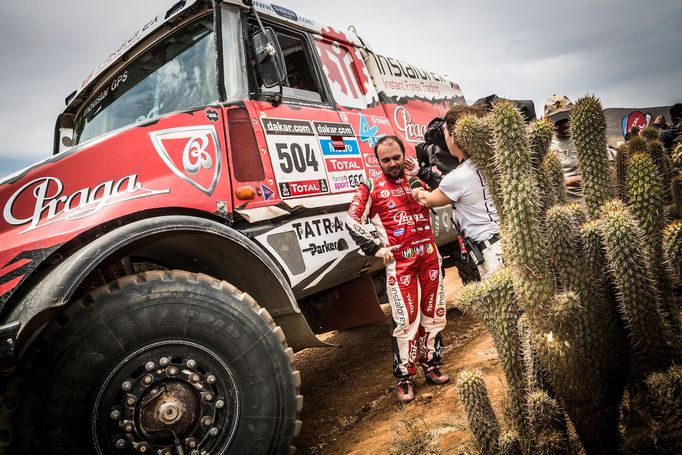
614,118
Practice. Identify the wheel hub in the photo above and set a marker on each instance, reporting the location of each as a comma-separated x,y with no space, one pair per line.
167,398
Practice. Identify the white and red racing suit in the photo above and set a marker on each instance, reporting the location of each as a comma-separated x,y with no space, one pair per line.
413,281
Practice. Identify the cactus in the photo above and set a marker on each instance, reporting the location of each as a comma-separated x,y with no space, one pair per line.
672,250
547,424
663,165
649,134
493,300
551,168
509,444
563,245
482,420
622,158
676,187
677,157
588,130
664,393
637,144
535,374
474,135
651,347
540,135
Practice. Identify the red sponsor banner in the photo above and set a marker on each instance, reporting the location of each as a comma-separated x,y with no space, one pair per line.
303,188
344,164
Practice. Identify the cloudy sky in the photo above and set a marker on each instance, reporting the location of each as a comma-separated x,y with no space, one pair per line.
626,52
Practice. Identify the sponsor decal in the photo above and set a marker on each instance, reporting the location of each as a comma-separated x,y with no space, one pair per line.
334,129
192,153
394,296
324,247
413,132
427,227
351,148
371,161
343,164
48,204
374,173
398,232
446,221
408,253
412,353
430,249
419,250
267,192
303,188
384,194
285,12
368,133
403,217
345,182
635,119
440,312
433,275
212,116
391,204
284,126
429,306
343,116
391,281
318,227
405,280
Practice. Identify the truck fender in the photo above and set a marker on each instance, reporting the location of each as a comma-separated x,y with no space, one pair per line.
183,242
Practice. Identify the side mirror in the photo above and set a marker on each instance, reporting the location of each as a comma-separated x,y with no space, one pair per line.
269,57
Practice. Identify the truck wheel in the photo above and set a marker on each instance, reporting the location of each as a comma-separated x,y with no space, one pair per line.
163,362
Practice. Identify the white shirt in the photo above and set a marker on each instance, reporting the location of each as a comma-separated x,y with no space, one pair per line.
468,189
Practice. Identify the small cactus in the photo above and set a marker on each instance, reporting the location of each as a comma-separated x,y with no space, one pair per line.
663,164
588,130
482,420
547,423
676,187
622,158
649,134
540,135
551,167
637,144
665,398
672,250
510,444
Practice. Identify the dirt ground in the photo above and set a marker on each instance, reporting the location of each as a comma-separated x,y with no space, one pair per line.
350,406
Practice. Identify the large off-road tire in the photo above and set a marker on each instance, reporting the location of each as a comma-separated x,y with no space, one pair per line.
153,352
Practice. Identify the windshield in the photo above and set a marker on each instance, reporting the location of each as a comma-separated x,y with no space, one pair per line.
176,74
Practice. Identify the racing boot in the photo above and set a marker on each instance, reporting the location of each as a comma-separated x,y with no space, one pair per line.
434,375
405,390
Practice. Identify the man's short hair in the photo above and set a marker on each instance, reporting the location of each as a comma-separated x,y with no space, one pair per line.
458,111
676,112
391,137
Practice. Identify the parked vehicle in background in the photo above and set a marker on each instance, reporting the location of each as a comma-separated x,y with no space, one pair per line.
187,235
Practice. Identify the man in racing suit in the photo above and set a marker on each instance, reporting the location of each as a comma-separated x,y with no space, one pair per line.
413,266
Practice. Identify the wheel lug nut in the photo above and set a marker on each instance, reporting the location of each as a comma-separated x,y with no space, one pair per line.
208,397
213,432
190,443
147,379
164,361
219,404
127,426
194,378
127,386
149,366
172,371
131,400
142,447
115,415
191,363
121,444
206,421
210,379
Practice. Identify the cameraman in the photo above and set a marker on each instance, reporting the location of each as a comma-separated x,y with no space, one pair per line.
467,188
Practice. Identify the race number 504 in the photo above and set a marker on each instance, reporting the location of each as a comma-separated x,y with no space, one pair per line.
296,157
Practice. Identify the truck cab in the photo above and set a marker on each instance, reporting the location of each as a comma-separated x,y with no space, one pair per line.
187,233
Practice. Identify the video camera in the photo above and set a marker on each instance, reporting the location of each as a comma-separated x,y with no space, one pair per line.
434,133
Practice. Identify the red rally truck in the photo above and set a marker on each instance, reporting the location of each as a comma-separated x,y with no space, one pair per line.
187,234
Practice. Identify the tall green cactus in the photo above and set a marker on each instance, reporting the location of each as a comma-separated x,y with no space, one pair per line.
588,130
637,144
547,424
551,167
672,250
475,136
563,246
663,164
540,135
622,158
482,420
649,134
676,187
651,345
493,300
